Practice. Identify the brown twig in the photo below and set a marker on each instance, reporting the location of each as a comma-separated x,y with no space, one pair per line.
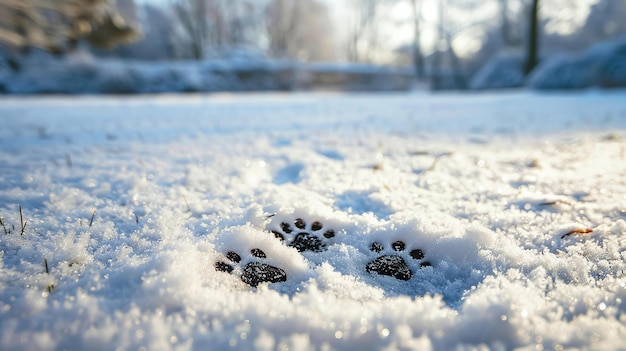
556,202
23,224
92,216
4,227
436,160
51,285
577,231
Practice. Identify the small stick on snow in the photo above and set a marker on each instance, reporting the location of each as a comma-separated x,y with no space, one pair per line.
51,285
22,221
136,217
92,216
577,231
436,160
556,202
6,231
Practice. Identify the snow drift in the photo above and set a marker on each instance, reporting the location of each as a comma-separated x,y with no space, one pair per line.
603,66
87,75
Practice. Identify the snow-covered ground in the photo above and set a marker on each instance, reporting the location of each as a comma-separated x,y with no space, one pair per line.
409,221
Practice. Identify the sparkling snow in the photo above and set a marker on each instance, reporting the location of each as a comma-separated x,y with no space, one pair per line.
131,201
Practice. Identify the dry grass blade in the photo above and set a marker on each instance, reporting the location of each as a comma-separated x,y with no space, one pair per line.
436,160
22,223
4,227
577,231
92,217
556,202
50,287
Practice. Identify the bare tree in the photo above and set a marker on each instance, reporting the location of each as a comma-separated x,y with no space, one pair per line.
243,21
532,52
362,32
192,15
605,21
446,63
510,34
283,17
300,29
57,26
215,25
418,57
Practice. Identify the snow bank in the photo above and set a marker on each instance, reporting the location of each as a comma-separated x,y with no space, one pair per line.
90,76
86,75
148,222
603,65
354,77
506,70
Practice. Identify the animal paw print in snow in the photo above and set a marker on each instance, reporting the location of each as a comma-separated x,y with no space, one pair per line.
307,237
254,272
392,264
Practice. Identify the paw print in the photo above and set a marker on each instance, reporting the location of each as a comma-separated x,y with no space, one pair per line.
304,237
392,264
254,272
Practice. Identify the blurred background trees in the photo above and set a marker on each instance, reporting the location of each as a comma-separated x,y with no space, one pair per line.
395,32
299,29
445,41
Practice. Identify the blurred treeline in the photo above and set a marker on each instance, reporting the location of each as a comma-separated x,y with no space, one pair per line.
451,37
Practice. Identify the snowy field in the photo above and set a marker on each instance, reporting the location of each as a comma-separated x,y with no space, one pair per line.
314,221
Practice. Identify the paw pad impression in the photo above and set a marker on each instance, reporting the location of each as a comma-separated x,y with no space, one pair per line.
393,264
303,236
254,272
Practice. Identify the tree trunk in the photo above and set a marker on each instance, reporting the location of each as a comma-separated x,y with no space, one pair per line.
436,73
418,57
509,37
533,38
455,64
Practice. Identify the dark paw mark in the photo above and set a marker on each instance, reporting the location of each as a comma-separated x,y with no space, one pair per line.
304,237
254,272
394,265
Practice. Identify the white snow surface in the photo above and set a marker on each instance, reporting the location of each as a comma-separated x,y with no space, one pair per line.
131,202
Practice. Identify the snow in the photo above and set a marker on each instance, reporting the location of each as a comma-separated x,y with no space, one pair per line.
84,74
132,201
602,65
505,70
